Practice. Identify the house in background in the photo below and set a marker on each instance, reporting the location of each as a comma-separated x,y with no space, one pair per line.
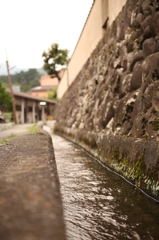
31,109
46,84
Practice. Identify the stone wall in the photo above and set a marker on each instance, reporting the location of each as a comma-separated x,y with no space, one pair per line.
116,96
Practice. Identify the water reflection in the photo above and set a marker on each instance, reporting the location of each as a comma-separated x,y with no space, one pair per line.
99,204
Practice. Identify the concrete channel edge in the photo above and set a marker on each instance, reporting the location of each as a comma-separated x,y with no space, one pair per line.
28,163
135,159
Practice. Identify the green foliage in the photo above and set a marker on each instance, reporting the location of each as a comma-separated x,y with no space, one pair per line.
110,50
54,59
26,80
155,125
52,94
4,141
5,99
34,129
7,140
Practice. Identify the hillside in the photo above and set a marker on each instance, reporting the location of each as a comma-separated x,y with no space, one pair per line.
25,79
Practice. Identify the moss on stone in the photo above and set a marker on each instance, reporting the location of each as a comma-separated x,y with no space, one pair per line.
155,125
137,171
91,142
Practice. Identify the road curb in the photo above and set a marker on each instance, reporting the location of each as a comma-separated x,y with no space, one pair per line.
30,200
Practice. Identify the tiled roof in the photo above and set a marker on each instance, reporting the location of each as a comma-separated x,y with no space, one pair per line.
42,88
28,96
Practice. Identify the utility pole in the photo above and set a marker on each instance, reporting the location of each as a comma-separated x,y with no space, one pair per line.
11,91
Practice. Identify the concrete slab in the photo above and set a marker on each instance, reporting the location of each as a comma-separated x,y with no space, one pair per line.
30,199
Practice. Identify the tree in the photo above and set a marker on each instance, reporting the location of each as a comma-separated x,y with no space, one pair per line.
5,99
54,59
52,94
25,79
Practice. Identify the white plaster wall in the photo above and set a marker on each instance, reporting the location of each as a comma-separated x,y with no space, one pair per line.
92,33
114,7
63,85
90,36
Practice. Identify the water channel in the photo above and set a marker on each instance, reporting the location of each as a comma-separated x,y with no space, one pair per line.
99,204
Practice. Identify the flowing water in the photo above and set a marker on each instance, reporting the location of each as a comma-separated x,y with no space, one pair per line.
99,204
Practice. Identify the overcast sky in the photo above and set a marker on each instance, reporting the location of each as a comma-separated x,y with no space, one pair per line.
28,27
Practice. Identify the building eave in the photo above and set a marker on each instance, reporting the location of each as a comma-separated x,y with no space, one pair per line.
28,96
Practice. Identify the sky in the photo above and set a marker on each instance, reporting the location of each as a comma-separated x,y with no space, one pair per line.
29,27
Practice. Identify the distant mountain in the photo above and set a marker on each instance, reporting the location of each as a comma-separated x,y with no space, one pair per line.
25,79
41,71
3,69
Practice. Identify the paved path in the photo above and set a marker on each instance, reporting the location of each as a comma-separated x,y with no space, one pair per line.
14,130
30,200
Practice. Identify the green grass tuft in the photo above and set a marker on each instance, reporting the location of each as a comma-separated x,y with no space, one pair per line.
34,129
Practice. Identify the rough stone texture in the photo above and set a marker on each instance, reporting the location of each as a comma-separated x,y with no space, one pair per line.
30,200
117,91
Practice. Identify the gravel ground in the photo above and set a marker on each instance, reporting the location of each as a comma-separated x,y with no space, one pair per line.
30,199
